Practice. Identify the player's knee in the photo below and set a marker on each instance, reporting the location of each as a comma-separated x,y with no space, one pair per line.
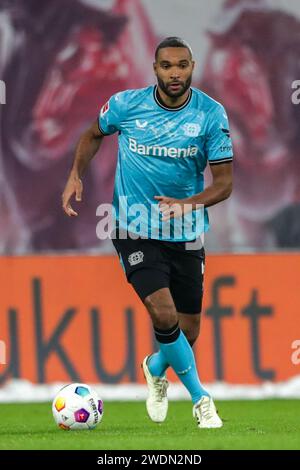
163,314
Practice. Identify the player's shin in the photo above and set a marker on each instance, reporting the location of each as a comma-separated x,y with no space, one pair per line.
179,354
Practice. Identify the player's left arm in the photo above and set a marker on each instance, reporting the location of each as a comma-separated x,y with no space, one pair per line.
218,149
219,190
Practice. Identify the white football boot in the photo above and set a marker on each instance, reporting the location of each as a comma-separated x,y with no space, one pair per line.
157,401
206,414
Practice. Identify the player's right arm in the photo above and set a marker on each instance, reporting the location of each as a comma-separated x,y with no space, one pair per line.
88,145
109,121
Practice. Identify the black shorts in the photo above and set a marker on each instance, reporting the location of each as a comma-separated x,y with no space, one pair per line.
151,264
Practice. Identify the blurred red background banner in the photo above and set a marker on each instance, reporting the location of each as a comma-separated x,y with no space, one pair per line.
75,318
61,64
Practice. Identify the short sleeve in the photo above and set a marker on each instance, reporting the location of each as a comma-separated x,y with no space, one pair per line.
112,114
218,143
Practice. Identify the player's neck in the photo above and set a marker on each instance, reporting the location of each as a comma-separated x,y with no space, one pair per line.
172,102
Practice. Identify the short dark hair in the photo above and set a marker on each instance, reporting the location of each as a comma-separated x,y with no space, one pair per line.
173,41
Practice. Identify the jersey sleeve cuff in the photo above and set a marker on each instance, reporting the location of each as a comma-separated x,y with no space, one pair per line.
221,160
100,128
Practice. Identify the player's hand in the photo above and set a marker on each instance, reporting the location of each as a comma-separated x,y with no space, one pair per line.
73,186
171,207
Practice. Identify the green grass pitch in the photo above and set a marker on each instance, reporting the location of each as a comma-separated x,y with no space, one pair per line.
266,424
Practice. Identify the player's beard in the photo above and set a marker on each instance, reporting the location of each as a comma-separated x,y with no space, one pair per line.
174,94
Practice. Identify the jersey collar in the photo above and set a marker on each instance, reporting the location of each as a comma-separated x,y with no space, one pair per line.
169,108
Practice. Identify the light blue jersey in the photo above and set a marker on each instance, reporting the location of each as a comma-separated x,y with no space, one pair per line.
163,152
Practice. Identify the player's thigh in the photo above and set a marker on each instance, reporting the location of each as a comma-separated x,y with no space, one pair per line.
139,255
186,281
147,270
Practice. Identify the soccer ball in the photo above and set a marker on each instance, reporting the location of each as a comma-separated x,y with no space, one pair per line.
77,406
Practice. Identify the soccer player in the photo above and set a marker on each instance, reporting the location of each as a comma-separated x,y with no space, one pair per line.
167,134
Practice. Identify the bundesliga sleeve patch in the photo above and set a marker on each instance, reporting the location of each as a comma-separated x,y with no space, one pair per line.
104,109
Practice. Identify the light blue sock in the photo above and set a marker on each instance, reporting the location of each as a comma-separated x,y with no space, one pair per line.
180,356
157,364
